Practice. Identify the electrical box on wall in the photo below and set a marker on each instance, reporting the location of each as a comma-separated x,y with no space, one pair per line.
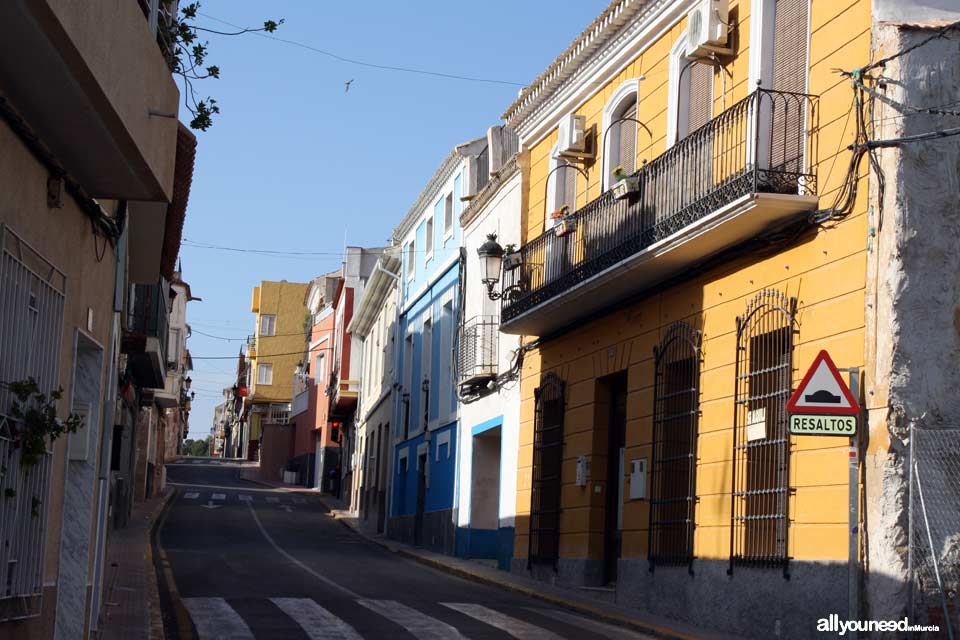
78,442
638,479
583,471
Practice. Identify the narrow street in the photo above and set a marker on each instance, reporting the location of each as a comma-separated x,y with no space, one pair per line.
253,562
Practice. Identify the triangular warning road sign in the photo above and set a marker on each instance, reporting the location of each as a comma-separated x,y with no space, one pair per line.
823,391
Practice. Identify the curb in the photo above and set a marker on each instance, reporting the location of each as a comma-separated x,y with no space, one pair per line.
571,605
183,624
155,612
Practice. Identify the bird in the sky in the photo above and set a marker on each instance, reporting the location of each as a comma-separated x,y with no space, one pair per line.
346,85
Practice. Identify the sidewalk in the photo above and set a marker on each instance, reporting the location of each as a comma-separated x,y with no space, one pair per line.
131,600
484,573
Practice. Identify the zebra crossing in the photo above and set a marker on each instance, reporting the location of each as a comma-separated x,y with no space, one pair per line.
199,496
218,619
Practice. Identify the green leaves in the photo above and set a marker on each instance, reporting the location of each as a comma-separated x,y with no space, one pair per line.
35,421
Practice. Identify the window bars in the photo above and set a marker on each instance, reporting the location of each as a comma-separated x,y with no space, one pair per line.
676,408
32,293
544,540
761,442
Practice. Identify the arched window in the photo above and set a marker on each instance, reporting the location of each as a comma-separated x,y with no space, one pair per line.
620,131
673,479
761,440
690,102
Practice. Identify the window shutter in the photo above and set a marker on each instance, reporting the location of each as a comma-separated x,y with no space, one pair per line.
569,187
627,130
700,103
790,46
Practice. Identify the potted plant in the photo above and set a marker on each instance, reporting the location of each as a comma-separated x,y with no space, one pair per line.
625,185
511,257
565,223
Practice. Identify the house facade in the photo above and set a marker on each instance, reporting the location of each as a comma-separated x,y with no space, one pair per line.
487,372
672,159
425,405
374,324
281,326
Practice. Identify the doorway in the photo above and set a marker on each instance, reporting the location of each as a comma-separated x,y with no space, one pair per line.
485,493
614,388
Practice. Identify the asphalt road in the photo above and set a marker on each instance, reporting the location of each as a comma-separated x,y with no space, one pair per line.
248,561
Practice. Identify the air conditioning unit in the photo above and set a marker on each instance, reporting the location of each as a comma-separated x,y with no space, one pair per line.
707,27
572,137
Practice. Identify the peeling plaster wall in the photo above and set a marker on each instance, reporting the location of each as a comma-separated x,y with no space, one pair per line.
913,302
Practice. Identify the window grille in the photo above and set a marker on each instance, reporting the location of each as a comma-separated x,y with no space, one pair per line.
279,414
676,407
544,540
32,295
761,441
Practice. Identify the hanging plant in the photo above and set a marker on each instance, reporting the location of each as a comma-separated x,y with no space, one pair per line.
34,421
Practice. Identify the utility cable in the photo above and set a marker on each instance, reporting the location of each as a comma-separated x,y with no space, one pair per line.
371,65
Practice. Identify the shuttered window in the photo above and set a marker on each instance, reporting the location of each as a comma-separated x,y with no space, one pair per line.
700,102
789,74
622,151
565,185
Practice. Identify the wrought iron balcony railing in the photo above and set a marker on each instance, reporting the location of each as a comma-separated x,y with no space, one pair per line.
149,312
477,356
762,144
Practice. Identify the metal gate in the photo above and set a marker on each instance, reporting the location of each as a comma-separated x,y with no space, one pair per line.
761,442
544,537
31,324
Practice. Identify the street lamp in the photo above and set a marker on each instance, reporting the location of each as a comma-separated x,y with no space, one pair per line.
186,382
491,263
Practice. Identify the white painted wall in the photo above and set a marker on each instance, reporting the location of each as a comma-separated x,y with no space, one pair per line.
501,215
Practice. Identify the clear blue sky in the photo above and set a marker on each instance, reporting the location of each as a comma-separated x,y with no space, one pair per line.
293,162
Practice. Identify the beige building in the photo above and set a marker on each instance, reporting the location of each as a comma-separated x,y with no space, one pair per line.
95,174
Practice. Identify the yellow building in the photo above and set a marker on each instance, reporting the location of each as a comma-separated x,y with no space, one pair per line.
280,336
673,321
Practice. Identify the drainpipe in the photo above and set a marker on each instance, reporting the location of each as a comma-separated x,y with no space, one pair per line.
106,423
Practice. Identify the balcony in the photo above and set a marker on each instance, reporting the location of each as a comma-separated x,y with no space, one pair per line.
477,356
91,82
145,340
744,172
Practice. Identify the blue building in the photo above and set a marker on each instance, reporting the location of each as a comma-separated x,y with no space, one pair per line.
424,466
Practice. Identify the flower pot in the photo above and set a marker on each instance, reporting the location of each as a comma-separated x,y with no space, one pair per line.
566,226
625,187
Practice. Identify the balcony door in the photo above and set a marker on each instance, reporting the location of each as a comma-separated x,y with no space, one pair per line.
779,34
557,253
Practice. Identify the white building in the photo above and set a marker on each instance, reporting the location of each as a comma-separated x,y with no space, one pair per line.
488,370
374,325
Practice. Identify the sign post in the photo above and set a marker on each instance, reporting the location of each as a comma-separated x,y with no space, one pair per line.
823,405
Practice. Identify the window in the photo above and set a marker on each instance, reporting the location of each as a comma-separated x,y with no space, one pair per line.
675,412
428,238
426,366
690,102
407,382
445,405
620,131
31,325
448,215
264,374
562,190
544,538
411,253
268,325
761,441
321,369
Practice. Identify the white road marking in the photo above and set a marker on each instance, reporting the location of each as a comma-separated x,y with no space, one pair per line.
316,622
606,630
513,626
215,620
419,624
292,559
219,496
197,485
272,499
190,495
244,498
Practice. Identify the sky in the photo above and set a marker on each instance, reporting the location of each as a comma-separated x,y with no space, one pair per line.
296,163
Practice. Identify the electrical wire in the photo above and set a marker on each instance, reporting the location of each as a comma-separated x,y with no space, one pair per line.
261,356
371,65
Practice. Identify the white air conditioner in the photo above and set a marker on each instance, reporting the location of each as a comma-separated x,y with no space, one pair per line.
707,28
572,137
